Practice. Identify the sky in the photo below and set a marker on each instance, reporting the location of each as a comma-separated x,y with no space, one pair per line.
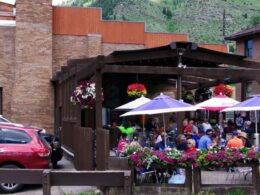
54,2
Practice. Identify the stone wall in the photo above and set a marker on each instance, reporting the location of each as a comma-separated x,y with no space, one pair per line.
32,99
7,56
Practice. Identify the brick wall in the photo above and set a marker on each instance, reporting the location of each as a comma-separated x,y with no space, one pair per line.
108,48
7,56
68,47
32,100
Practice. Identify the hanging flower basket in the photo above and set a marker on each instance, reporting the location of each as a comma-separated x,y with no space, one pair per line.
202,94
223,89
136,90
188,97
84,94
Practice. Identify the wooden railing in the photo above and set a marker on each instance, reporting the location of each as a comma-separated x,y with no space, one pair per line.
50,178
193,180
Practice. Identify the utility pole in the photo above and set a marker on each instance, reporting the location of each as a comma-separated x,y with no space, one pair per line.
224,25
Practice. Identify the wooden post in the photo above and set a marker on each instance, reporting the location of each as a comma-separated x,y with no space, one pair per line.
180,115
127,182
256,177
196,180
188,180
98,78
46,182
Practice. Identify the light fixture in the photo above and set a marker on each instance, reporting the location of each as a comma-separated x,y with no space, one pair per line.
180,54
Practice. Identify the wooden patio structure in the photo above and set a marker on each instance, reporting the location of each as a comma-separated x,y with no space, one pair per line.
204,68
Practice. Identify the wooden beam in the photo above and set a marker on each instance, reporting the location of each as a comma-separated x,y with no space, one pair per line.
212,57
139,56
214,73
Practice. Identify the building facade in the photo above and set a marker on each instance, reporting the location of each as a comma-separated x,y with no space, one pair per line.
248,44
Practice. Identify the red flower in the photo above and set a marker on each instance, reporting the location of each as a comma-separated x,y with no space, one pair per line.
136,90
223,89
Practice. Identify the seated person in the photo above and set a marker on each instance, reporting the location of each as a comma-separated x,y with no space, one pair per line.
135,142
235,142
181,142
191,146
121,144
243,136
205,142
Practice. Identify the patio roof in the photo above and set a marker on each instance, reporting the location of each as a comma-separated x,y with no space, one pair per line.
244,33
204,67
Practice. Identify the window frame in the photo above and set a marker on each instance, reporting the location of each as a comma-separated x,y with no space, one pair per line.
249,50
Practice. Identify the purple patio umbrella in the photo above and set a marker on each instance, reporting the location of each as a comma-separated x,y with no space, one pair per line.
252,104
160,105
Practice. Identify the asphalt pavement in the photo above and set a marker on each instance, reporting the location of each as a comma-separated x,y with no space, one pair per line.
64,164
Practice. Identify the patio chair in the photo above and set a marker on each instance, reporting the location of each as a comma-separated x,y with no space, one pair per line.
148,176
237,173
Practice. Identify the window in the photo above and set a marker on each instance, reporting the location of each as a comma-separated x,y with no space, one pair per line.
11,136
249,89
249,48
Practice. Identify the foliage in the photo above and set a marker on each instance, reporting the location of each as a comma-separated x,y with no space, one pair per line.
136,90
202,20
236,192
188,97
172,157
84,94
255,19
223,89
202,94
169,157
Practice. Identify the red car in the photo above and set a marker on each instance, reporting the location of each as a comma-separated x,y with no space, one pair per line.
22,147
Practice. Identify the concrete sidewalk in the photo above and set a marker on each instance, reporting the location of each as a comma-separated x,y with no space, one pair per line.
64,164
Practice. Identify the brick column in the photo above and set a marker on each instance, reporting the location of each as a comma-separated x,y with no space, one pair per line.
32,100
94,45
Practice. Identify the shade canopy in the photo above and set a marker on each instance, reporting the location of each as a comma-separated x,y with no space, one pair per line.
134,104
217,103
247,105
161,104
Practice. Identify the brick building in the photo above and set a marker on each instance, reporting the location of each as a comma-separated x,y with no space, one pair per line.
37,39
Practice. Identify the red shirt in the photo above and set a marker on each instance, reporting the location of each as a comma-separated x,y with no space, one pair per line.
187,129
190,150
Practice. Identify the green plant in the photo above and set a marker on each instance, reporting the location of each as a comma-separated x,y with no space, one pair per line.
236,192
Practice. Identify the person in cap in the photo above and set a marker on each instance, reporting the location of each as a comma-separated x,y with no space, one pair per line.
243,136
235,142
249,130
205,142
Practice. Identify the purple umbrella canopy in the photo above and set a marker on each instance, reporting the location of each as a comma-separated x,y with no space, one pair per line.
161,104
247,105
252,104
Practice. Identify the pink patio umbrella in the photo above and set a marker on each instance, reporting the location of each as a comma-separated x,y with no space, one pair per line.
217,103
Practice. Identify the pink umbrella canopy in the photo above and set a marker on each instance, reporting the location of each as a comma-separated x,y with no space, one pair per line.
217,103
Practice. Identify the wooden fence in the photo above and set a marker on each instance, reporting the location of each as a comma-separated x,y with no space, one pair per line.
50,178
253,188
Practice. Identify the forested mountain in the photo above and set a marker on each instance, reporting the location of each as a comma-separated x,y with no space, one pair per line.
203,20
